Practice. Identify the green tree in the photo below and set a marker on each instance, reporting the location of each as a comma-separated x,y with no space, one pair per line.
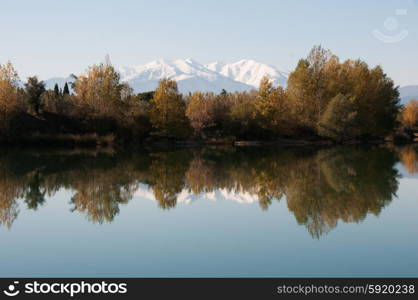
66,90
146,96
339,121
57,91
34,90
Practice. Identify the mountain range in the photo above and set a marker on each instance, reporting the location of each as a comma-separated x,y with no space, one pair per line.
193,76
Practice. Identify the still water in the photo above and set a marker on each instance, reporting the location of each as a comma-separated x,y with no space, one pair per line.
343,211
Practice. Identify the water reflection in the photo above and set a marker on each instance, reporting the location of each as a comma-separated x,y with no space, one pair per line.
320,187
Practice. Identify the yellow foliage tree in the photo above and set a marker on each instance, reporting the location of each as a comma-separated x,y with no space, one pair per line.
410,114
10,97
200,111
99,93
272,107
167,111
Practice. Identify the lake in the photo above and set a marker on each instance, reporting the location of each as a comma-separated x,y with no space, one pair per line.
210,212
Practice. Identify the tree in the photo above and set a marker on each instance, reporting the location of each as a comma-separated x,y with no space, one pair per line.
10,96
377,97
57,91
58,104
242,115
321,77
272,108
339,121
266,87
167,111
66,90
200,111
146,96
34,90
99,93
410,115
307,87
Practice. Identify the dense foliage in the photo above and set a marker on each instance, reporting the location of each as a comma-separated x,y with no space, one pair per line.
324,99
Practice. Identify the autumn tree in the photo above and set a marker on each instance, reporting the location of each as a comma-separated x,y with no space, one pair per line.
167,110
200,111
307,87
272,108
321,77
99,92
266,87
410,115
10,96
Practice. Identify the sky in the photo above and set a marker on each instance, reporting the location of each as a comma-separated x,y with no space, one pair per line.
52,38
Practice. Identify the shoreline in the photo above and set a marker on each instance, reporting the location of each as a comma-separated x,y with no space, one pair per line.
110,141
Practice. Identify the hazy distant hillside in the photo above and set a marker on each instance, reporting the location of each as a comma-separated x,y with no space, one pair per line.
408,93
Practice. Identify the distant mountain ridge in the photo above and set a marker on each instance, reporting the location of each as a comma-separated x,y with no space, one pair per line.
193,76
408,93
249,72
190,75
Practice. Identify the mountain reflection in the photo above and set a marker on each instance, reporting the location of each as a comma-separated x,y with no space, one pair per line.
320,187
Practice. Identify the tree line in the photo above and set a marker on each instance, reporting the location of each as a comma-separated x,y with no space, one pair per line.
324,99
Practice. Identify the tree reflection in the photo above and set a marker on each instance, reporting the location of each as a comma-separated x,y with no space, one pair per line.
321,187
409,158
341,184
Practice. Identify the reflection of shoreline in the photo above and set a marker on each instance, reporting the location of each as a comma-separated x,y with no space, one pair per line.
320,187
409,159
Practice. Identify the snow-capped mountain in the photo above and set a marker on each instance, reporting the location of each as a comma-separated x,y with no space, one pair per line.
190,75
193,76
249,72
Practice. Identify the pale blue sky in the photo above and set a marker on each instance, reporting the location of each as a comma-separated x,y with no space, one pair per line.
54,38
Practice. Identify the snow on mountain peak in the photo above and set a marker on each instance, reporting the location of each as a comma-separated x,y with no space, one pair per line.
193,76
190,75
249,71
